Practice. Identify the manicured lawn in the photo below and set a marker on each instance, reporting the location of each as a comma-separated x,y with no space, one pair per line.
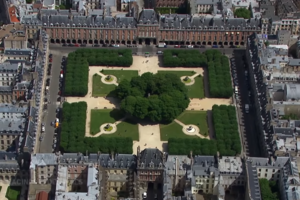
13,192
197,89
121,74
198,118
172,130
99,88
99,117
127,128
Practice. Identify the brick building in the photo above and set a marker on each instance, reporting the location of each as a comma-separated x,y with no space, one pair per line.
147,28
150,167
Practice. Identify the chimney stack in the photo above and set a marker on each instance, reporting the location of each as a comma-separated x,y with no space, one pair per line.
191,157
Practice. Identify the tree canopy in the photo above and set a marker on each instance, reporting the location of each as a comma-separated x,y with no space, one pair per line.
226,130
77,70
156,97
219,78
72,137
268,189
242,13
183,58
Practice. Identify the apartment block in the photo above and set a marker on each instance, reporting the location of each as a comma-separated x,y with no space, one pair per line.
281,169
13,36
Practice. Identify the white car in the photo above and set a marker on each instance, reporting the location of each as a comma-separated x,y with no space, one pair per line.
144,195
57,120
116,45
43,128
190,46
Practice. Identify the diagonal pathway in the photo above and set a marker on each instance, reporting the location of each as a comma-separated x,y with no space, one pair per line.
114,125
197,132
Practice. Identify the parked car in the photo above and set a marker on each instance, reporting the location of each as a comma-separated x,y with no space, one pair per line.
64,44
76,45
196,46
105,45
190,46
50,55
183,46
177,46
41,138
96,45
83,45
71,45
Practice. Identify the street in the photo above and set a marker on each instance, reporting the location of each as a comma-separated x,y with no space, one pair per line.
4,15
50,113
141,50
246,120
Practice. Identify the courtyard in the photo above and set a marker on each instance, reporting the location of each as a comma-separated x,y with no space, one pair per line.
105,120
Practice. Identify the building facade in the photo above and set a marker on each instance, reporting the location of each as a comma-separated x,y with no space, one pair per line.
147,28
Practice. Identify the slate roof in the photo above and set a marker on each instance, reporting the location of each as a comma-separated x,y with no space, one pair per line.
8,160
151,158
17,52
253,183
178,21
204,165
89,21
119,161
43,159
148,16
8,67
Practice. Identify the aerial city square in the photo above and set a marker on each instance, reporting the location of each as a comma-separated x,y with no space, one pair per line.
149,99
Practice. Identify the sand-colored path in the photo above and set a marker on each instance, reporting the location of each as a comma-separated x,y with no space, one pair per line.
207,103
185,126
192,79
149,138
3,190
103,131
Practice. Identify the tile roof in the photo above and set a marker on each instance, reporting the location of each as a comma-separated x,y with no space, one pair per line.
12,14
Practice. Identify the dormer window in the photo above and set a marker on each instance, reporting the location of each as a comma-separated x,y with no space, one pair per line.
79,25
51,24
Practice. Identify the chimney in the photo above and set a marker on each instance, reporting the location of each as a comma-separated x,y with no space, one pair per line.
9,125
22,162
5,157
191,157
112,155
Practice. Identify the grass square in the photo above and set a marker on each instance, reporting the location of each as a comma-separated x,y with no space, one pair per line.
121,74
13,193
172,130
127,128
194,91
197,89
101,89
198,118
101,116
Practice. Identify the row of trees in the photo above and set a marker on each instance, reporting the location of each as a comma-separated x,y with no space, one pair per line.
73,138
76,76
179,146
157,97
268,189
218,74
226,130
183,58
106,57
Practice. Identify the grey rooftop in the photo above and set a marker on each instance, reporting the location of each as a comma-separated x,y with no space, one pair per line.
43,159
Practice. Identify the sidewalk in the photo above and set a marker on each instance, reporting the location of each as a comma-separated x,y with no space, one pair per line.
3,191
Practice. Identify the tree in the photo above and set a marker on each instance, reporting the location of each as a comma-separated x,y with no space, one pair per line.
266,190
242,13
159,97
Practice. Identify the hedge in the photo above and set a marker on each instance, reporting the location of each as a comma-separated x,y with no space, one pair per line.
77,70
227,137
183,58
226,130
73,138
218,74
